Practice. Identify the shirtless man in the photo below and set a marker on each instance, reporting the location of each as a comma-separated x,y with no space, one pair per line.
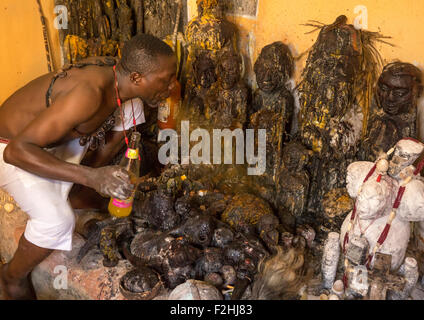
31,132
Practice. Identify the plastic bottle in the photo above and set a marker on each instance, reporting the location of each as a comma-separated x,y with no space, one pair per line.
131,162
168,109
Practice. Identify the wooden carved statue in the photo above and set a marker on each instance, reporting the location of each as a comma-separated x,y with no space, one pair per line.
210,30
226,103
160,17
395,109
204,76
273,103
334,100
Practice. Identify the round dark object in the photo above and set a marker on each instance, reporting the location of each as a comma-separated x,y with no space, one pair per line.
140,284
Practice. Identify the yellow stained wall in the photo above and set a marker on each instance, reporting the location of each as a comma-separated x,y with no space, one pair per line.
22,53
281,20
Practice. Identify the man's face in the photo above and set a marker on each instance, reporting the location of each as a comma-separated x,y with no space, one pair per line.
157,85
396,93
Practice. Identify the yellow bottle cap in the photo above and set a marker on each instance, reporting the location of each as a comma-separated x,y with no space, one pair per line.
132,153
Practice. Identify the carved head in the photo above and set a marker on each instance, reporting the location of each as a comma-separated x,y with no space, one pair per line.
209,6
295,156
374,198
274,67
204,70
181,254
229,66
406,152
342,47
399,87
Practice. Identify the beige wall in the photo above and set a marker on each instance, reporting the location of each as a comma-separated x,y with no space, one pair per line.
280,20
22,53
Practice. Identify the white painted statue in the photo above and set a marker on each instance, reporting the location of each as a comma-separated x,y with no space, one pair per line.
388,194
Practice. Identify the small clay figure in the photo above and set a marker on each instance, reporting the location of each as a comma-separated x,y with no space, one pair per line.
273,69
226,103
204,77
267,230
292,183
198,230
395,109
374,204
211,262
210,30
222,237
273,104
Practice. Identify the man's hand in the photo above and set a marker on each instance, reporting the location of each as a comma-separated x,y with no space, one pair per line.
111,181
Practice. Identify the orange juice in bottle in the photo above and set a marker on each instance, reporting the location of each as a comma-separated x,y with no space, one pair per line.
168,109
131,162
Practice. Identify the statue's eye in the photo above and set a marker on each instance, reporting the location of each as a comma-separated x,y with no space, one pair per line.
384,87
400,93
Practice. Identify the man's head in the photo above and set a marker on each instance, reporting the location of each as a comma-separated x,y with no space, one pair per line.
150,64
274,67
399,87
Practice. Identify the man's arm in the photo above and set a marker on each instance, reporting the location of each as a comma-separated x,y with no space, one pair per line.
114,142
51,126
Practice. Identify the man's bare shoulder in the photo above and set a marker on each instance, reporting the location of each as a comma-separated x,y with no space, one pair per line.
86,97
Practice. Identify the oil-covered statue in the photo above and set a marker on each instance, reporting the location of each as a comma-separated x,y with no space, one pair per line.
394,112
273,103
341,68
226,102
